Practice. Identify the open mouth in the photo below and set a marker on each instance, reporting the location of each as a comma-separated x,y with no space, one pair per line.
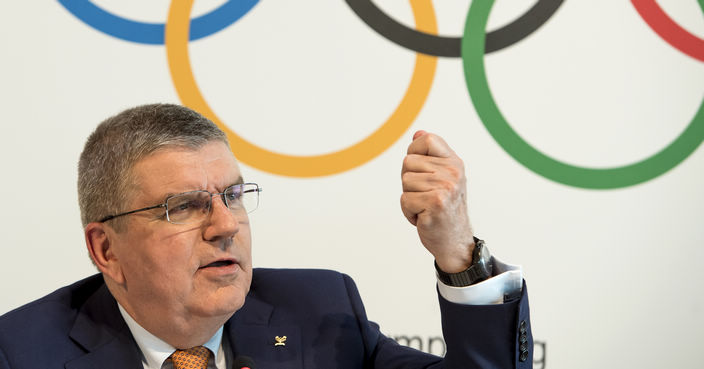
219,263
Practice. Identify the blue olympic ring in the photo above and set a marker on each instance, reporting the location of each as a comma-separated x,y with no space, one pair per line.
153,33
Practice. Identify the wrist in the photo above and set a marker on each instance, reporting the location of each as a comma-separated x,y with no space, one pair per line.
480,268
459,260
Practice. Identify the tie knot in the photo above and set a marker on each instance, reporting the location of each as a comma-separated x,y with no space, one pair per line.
192,358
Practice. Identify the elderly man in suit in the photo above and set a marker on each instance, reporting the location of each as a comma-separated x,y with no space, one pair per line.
165,213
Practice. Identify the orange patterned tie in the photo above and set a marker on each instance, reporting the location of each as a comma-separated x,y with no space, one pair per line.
193,358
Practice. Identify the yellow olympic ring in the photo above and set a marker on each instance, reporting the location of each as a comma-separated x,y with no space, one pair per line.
176,40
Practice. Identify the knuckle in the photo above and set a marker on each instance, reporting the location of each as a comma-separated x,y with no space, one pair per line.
431,139
437,200
404,199
454,172
447,187
460,163
407,161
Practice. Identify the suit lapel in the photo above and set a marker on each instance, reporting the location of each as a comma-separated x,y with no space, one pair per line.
252,332
100,330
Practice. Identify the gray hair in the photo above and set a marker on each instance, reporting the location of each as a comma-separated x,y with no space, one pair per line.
119,142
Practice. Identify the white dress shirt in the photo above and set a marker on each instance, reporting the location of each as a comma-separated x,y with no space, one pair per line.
507,281
155,352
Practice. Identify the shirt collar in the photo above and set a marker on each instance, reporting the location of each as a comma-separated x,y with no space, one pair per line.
154,350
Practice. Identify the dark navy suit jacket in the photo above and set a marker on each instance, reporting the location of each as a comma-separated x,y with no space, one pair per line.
320,312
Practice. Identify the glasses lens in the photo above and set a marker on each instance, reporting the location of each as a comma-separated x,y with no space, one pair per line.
188,207
243,197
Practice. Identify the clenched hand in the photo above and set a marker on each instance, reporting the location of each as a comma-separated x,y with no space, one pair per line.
434,200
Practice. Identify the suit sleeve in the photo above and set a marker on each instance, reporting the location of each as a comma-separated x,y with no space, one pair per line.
477,336
488,336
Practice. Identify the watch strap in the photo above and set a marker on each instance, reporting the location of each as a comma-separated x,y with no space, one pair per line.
480,269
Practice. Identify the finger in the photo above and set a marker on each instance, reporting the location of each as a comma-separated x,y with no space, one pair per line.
416,182
410,214
422,182
419,133
417,206
440,172
424,164
429,144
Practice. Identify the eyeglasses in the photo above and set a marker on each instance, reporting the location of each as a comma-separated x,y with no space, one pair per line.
194,206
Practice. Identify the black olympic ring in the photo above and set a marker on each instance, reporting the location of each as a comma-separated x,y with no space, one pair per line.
426,43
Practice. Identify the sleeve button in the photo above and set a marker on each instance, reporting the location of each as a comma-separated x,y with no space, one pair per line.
523,338
522,328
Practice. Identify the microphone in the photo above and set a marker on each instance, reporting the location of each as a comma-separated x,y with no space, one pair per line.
243,362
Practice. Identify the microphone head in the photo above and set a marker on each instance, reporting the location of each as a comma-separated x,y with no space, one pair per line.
243,362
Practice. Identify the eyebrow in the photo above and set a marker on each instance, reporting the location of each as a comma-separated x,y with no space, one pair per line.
239,180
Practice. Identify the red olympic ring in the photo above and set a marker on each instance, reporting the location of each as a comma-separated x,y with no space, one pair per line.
665,27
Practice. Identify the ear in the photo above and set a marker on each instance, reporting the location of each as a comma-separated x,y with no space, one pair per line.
100,243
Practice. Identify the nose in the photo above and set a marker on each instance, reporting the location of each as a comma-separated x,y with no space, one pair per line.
222,224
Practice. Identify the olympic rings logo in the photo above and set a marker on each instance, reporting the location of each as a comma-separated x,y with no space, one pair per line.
471,47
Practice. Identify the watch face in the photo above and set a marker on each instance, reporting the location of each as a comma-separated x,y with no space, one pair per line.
484,262
480,270
484,254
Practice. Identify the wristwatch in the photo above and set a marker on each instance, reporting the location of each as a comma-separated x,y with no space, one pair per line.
480,269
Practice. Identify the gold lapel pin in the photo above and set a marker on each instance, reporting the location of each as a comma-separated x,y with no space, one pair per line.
280,341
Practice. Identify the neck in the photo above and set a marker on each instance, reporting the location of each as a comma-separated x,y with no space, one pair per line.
178,329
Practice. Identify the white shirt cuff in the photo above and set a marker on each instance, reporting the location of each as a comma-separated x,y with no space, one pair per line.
507,281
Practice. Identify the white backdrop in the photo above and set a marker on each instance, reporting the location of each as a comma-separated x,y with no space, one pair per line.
615,276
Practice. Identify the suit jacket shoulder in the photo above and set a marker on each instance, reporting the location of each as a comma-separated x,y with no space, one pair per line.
77,326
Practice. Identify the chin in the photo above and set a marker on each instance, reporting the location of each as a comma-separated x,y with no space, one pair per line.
225,303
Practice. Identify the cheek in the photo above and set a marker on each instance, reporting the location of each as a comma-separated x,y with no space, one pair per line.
158,263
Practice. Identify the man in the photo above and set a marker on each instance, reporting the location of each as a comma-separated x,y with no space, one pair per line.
164,208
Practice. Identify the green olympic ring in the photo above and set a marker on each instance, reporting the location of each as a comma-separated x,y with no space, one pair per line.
531,158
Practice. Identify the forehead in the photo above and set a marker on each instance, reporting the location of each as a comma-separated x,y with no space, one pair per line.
177,169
